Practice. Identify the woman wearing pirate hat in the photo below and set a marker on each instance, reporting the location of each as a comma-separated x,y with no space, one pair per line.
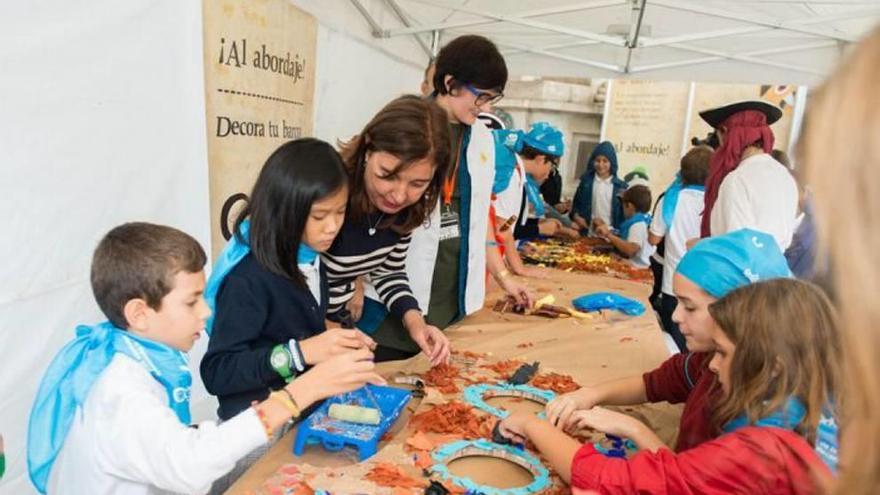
746,187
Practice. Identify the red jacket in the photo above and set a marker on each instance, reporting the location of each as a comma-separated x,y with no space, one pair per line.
751,460
686,378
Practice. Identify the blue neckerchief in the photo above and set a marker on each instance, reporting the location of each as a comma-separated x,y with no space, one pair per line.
533,192
670,199
70,376
629,222
235,251
507,144
791,415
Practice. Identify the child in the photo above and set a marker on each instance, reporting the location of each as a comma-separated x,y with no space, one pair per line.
597,195
777,360
681,209
522,162
633,239
269,289
112,411
711,269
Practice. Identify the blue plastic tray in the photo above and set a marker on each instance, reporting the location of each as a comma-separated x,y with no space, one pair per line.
335,435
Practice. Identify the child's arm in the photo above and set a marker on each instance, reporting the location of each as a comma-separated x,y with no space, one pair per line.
510,252
495,265
626,248
615,423
622,392
554,445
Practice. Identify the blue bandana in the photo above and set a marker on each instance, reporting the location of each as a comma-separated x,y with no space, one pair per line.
791,415
720,264
232,254
70,377
629,222
533,192
670,198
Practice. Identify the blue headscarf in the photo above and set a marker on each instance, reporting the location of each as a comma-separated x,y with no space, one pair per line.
70,377
720,264
543,137
788,417
235,251
670,198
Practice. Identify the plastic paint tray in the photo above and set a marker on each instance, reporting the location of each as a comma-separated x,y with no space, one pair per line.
335,434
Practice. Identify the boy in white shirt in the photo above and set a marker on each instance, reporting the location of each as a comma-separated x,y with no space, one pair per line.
112,411
677,219
632,241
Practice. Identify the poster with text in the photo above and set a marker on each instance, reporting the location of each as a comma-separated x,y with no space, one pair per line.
259,92
645,122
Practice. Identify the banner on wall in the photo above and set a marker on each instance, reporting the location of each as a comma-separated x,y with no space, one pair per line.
645,121
259,93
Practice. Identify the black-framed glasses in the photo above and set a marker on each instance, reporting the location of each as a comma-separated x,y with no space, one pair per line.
484,97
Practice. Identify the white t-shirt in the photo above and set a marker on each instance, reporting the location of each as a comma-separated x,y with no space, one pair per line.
638,233
508,201
312,273
603,189
760,194
685,226
125,439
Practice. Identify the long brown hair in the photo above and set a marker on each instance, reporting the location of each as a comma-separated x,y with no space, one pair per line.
787,345
411,129
840,151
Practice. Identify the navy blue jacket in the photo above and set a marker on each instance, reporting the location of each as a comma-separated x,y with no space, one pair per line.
256,310
582,204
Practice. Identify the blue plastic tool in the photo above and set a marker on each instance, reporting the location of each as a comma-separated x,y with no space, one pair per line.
334,434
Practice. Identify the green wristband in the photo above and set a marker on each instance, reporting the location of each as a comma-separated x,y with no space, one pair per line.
280,360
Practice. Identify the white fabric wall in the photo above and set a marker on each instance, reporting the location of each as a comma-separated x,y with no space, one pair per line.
102,106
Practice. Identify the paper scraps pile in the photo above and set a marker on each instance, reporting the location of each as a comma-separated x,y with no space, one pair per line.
582,255
443,378
389,475
557,382
454,418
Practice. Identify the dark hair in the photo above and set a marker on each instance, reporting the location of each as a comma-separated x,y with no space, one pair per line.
296,175
138,260
695,166
530,153
470,59
411,129
781,157
638,196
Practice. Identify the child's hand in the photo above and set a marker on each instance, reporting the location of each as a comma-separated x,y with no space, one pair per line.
603,230
520,292
513,427
549,227
606,421
337,375
333,342
560,409
433,342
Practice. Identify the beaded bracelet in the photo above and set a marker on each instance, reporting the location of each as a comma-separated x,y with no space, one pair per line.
287,402
270,433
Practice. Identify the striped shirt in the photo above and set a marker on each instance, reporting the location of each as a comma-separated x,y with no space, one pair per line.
381,257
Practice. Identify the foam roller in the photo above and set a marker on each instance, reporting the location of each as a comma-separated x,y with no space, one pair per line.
354,414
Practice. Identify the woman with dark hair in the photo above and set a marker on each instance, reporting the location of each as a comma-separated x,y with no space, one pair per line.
395,168
451,252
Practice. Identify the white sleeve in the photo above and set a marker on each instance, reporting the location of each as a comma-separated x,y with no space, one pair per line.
508,201
144,442
658,225
736,211
638,234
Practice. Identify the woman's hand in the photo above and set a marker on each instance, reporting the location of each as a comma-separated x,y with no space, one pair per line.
355,305
334,342
433,342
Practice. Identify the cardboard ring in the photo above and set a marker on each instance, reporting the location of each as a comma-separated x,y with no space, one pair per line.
476,396
449,452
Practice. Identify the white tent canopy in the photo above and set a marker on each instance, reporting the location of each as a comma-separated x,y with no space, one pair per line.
768,41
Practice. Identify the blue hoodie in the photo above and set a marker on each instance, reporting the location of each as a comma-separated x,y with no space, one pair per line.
582,204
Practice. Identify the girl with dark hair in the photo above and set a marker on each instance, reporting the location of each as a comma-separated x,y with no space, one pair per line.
395,168
268,289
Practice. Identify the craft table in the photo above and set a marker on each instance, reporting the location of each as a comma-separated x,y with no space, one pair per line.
606,347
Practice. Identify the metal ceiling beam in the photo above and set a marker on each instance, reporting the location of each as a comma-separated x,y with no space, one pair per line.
545,26
743,57
404,18
577,7
632,41
722,33
568,58
374,26
760,21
